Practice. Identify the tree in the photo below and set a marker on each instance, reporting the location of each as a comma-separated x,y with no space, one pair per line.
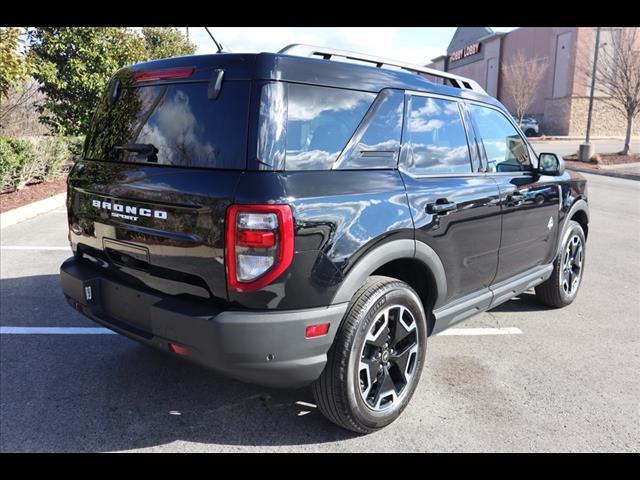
618,76
163,42
18,114
522,77
13,64
74,65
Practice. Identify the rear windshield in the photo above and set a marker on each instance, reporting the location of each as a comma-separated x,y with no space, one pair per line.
173,124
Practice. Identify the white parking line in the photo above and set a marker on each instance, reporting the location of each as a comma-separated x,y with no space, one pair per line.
106,331
482,331
31,247
55,331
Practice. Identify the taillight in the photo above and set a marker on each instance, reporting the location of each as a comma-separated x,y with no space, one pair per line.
167,74
259,245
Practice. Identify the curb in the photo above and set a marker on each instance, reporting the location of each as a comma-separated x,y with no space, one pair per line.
606,173
573,139
31,210
620,166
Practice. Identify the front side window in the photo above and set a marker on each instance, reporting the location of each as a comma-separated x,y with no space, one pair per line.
438,141
505,149
320,122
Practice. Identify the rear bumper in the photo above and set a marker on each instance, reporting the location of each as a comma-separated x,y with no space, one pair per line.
263,347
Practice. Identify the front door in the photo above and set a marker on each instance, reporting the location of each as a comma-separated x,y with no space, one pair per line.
455,211
529,202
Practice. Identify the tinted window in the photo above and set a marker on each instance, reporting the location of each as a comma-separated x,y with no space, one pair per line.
437,138
185,127
378,142
320,121
505,149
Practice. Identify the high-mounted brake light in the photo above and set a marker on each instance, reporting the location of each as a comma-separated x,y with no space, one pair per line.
167,74
259,245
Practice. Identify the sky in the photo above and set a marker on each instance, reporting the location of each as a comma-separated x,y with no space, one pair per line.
409,44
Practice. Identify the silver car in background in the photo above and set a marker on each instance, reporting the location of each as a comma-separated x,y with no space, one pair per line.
529,126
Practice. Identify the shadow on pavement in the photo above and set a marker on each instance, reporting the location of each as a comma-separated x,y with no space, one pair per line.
525,302
106,392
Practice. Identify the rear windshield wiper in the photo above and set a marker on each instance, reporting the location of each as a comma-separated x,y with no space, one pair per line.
147,149
141,148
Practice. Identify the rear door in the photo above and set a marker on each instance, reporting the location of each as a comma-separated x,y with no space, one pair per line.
162,160
455,209
530,203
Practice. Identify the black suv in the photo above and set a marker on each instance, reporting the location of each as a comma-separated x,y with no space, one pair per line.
290,220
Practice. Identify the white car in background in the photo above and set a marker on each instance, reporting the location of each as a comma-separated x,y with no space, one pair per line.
529,126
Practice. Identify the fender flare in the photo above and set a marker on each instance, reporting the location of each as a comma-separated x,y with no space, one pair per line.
578,205
385,253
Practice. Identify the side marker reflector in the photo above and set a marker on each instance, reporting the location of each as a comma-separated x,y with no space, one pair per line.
317,330
180,350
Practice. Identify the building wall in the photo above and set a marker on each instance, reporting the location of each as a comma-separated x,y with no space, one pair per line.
537,43
605,119
556,117
560,101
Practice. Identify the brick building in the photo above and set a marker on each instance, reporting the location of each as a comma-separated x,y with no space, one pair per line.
561,100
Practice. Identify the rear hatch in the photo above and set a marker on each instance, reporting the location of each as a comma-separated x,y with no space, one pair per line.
165,151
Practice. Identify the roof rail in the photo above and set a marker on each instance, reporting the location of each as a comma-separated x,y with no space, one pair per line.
327,53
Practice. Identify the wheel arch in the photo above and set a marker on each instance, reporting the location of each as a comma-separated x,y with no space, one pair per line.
582,217
414,263
578,212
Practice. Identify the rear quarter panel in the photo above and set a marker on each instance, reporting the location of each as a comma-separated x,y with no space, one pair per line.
339,217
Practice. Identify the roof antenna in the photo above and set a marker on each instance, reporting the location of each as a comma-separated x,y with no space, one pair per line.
219,46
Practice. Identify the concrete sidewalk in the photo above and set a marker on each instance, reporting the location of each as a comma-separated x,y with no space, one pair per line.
31,210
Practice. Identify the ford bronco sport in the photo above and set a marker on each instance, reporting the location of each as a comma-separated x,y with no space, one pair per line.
288,219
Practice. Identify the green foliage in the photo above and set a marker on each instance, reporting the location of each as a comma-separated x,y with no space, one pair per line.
74,65
36,159
14,67
75,145
54,152
163,42
15,155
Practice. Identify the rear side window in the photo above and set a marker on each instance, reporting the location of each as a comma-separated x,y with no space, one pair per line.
437,138
173,124
505,149
377,142
320,122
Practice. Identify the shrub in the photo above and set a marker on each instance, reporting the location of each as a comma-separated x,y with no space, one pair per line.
16,161
52,153
35,159
75,146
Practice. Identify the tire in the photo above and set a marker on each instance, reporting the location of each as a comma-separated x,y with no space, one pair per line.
353,390
560,290
530,132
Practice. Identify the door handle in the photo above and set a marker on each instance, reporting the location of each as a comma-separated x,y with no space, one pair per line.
441,206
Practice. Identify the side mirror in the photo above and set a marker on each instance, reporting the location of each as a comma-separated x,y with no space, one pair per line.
550,164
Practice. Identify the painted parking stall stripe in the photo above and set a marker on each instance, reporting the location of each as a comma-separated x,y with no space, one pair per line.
482,331
32,247
55,331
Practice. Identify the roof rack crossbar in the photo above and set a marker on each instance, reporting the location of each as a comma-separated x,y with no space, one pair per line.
327,53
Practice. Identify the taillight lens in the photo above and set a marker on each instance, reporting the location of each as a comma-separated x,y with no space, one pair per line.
259,245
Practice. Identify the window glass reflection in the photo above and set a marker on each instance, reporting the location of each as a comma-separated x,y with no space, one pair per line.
438,138
380,142
320,121
506,151
185,127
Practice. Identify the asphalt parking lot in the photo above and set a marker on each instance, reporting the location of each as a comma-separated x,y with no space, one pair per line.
567,382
